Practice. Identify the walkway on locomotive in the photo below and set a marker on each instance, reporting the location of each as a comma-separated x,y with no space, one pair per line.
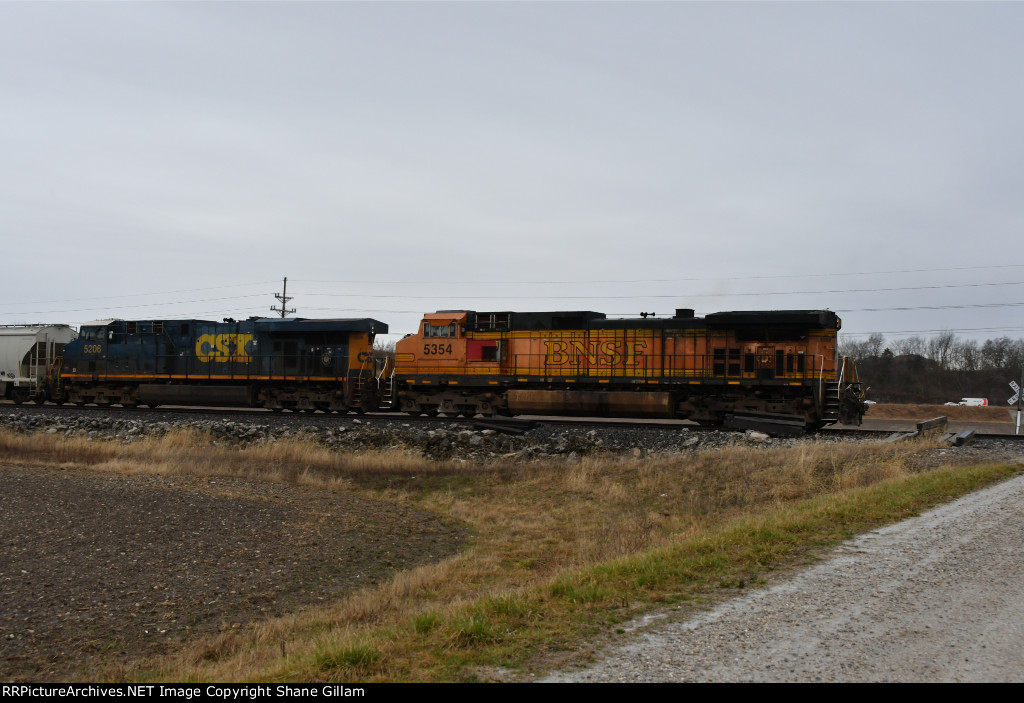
772,347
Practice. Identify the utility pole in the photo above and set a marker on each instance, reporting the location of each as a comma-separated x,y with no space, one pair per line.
283,297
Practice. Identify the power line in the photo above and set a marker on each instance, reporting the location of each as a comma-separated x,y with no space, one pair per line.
139,295
618,296
965,306
660,296
419,310
934,331
682,280
134,305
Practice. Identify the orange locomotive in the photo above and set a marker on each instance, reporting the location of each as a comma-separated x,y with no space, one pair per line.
763,369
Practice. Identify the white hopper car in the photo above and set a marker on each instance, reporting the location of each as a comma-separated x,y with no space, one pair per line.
27,355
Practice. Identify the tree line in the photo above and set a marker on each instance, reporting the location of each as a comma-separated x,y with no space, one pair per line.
938,369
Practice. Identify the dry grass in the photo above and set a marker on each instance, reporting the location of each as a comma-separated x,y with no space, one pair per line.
956,413
558,547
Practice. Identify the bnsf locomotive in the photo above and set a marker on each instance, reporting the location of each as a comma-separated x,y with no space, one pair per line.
773,369
272,363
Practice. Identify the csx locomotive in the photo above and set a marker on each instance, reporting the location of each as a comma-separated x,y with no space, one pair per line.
769,369
274,363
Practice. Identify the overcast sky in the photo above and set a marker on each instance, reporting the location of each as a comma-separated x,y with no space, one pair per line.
178,160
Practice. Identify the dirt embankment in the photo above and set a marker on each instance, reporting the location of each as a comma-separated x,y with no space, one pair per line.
98,568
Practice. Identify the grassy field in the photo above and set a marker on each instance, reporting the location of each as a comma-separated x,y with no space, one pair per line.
563,555
956,413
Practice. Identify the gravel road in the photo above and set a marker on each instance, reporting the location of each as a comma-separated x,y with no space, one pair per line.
936,598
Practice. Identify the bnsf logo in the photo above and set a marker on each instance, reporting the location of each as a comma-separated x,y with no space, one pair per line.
223,348
610,353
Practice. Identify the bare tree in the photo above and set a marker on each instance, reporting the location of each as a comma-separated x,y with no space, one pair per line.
940,348
1015,355
868,348
995,352
875,345
909,346
965,355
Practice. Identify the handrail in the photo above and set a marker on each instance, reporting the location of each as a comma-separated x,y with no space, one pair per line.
692,366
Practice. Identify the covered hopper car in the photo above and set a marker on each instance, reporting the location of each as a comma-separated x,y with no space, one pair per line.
274,363
29,359
765,369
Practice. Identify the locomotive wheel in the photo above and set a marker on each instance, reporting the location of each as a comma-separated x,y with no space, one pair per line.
39,400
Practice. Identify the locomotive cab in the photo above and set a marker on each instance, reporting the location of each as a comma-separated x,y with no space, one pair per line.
452,362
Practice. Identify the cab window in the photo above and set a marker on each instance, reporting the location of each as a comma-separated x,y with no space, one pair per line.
446,330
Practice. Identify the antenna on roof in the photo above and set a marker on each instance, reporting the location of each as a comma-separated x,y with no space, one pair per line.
283,297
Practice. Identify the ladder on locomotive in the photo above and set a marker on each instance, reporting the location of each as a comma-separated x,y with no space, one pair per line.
387,386
831,402
381,372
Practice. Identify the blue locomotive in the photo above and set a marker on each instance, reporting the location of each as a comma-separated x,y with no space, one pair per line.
274,363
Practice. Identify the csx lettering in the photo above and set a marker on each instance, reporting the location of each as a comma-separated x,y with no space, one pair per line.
607,353
223,348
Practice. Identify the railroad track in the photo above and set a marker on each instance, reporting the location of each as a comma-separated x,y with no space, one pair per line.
503,424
